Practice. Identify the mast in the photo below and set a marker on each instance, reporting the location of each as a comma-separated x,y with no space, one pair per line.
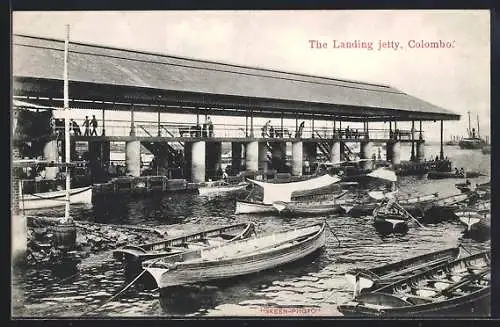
478,126
67,148
469,130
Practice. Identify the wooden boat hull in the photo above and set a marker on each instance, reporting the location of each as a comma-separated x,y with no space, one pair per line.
442,175
232,266
133,256
307,208
55,199
368,279
222,190
243,207
459,287
477,304
390,223
477,225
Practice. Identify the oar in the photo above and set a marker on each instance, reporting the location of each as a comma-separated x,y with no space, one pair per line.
466,280
408,214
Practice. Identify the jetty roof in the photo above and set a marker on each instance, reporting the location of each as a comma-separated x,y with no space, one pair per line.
102,77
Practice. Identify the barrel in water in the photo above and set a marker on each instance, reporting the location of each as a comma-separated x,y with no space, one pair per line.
65,235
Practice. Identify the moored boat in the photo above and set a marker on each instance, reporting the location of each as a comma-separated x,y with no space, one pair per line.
310,208
460,287
237,258
244,206
221,189
476,222
364,280
134,255
273,192
443,175
55,198
391,217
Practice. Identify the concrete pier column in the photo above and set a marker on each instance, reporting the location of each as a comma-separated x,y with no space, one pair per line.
278,156
213,159
133,158
198,160
420,151
365,152
335,152
343,155
252,156
236,150
310,152
297,156
394,152
19,229
263,160
51,153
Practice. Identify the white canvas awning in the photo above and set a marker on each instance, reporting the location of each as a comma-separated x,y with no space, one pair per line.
28,105
283,191
384,173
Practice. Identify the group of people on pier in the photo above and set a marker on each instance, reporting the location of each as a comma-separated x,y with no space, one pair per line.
348,133
58,126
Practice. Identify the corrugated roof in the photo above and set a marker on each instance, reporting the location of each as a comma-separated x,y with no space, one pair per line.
43,58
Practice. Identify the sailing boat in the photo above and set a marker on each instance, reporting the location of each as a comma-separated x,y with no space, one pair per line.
473,141
59,198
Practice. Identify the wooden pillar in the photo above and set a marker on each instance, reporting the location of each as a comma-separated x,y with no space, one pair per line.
251,123
421,136
412,158
441,152
103,123
159,127
246,124
282,133
312,127
132,127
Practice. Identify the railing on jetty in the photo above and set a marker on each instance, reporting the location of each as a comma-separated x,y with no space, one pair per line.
192,130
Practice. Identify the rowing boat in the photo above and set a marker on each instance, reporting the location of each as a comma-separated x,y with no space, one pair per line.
364,280
412,204
221,189
237,258
134,255
306,208
390,216
459,287
475,221
243,206
55,198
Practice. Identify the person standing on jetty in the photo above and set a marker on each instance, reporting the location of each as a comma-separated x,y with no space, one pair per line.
93,123
210,127
86,124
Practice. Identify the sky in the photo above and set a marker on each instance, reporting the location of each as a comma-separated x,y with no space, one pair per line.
457,78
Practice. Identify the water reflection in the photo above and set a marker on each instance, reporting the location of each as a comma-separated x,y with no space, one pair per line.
316,281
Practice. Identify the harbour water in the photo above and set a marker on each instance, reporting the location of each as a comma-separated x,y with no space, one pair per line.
314,286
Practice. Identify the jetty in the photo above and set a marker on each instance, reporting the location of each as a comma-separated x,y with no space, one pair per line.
118,80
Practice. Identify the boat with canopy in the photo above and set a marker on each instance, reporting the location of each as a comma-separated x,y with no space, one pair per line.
273,192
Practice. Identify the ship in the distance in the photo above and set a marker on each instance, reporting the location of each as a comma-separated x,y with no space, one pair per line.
473,141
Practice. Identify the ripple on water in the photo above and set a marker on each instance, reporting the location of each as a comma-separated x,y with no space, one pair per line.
317,282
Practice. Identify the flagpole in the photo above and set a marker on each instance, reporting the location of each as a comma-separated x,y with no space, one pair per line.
67,148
